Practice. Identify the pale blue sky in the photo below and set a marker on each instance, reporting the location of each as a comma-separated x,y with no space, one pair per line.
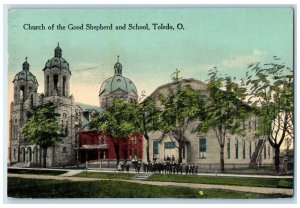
229,38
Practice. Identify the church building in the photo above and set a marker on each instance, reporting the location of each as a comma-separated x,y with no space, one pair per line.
81,144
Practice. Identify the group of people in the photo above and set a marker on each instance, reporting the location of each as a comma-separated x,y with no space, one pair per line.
168,167
165,167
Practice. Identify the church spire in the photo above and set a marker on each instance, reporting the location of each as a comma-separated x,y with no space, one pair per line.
118,67
26,65
58,51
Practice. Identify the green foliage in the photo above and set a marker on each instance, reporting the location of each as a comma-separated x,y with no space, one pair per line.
271,91
18,188
147,116
225,109
42,127
179,108
251,182
116,119
124,176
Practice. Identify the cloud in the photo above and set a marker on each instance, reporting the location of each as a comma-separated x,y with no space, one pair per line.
244,60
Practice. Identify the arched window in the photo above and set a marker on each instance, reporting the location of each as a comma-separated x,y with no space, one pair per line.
66,129
55,81
64,85
22,93
47,85
31,100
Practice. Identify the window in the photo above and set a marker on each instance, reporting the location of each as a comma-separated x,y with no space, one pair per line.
183,152
255,125
55,81
136,140
170,145
31,101
269,152
228,148
66,129
237,149
22,93
47,92
265,152
244,150
131,141
202,147
250,150
64,86
14,152
64,149
155,148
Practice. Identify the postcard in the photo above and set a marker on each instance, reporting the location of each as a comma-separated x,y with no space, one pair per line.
162,102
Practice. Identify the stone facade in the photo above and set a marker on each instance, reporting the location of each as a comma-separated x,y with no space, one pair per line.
57,89
203,148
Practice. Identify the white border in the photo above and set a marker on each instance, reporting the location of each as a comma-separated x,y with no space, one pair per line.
128,3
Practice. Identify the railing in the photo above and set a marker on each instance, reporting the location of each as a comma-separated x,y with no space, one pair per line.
257,153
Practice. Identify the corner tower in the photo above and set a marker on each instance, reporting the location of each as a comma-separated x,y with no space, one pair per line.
24,83
57,75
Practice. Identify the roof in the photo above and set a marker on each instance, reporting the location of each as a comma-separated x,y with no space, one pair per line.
88,107
117,82
184,81
26,76
57,61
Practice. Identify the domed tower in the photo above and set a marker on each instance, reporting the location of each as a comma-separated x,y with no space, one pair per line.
57,75
24,83
117,87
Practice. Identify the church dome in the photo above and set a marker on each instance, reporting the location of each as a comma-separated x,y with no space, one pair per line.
118,82
25,74
57,61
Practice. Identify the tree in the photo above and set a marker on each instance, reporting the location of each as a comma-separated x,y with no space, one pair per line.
117,121
224,109
42,128
146,120
179,108
270,88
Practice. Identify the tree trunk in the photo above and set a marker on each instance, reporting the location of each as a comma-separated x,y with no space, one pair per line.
180,152
222,168
45,157
277,159
147,148
117,151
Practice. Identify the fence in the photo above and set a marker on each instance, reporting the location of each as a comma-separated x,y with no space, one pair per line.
205,168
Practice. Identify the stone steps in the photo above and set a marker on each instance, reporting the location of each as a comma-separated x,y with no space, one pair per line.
142,176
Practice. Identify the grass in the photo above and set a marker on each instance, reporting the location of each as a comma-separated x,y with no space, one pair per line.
117,175
33,188
37,172
253,182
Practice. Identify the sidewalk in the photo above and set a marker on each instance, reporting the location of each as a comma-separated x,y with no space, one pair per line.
72,172
261,190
